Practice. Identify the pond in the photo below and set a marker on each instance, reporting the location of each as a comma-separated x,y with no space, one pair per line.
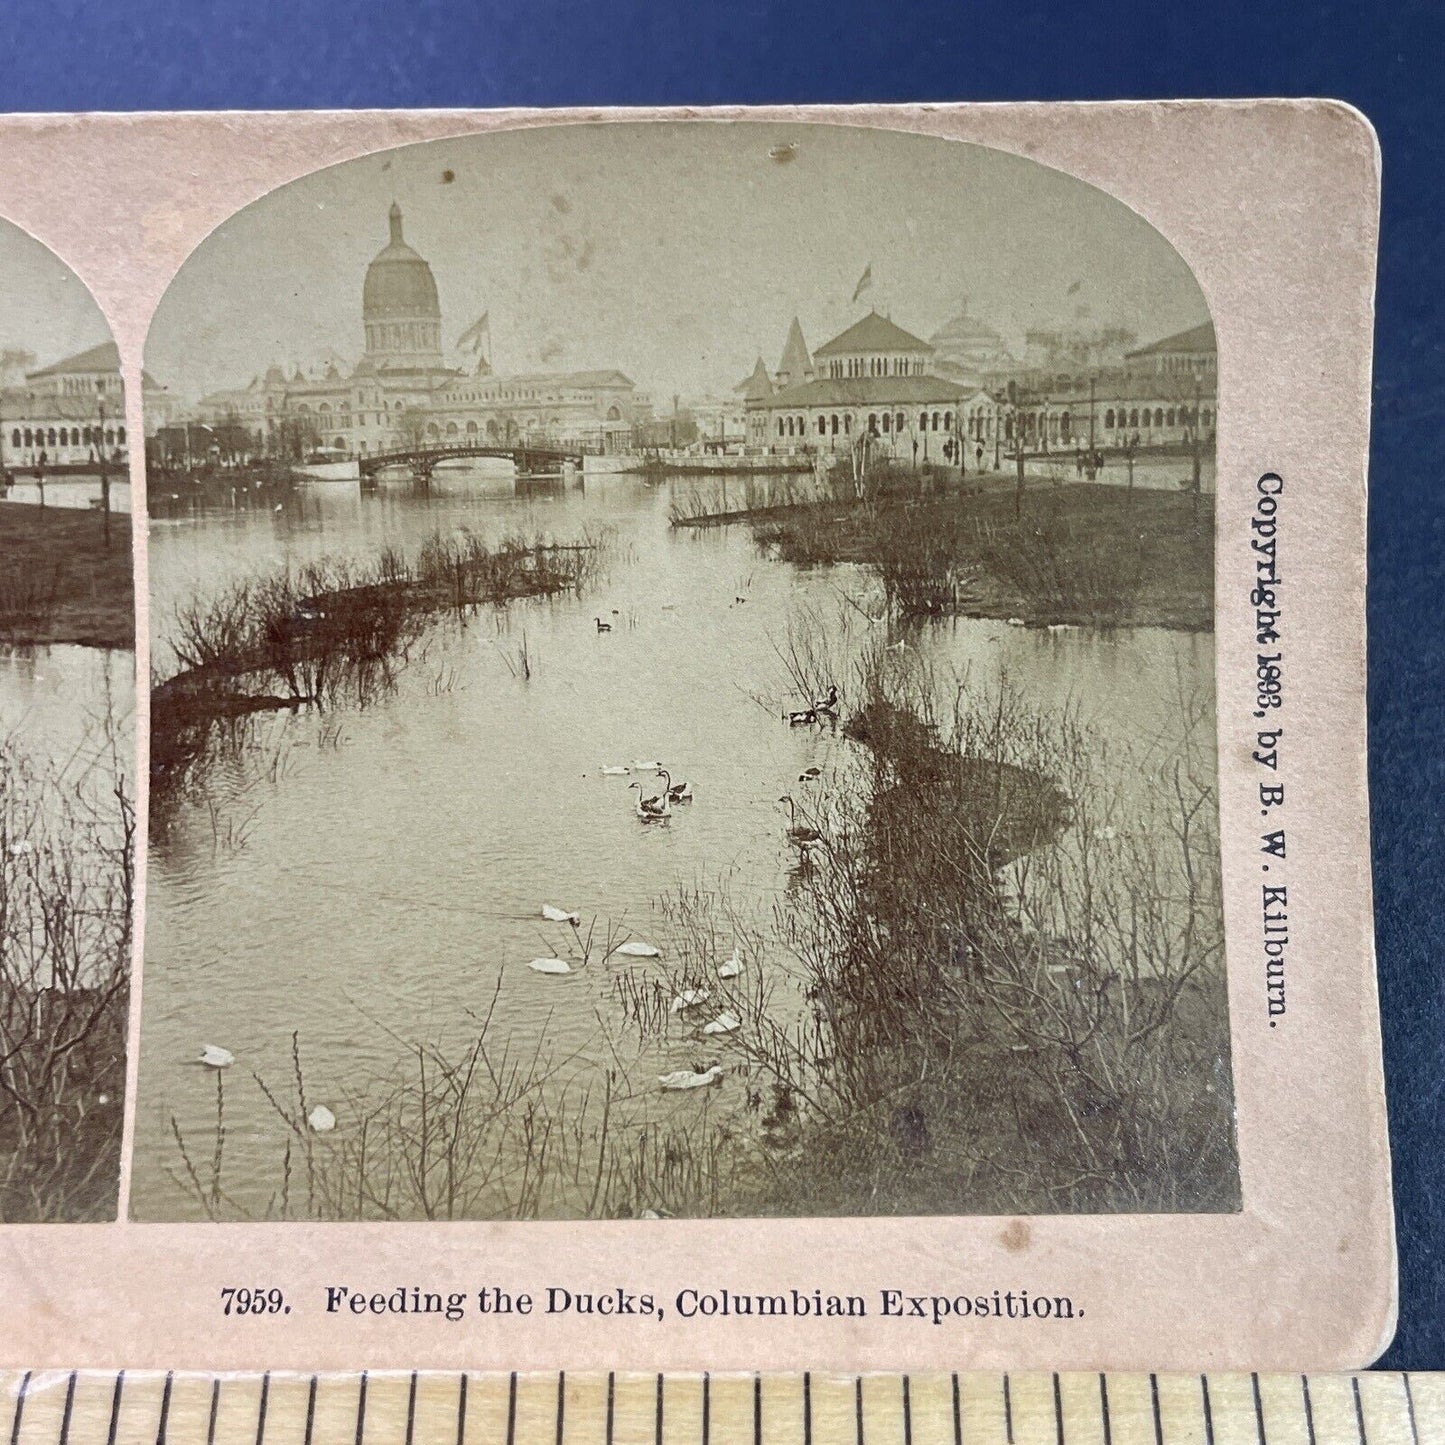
367,877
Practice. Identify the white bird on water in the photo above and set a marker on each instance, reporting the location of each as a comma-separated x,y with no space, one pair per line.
643,766
689,1078
724,1023
213,1056
635,948
689,998
615,771
560,915
550,965
732,967
321,1119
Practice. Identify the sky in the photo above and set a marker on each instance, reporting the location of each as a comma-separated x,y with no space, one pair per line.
45,308
677,252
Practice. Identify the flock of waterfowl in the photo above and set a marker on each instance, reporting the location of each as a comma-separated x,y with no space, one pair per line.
649,809
687,999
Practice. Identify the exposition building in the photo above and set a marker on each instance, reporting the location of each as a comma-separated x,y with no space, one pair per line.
875,379
70,414
1077,388
404,392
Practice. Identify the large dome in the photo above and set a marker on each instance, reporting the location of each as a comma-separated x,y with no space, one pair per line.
399,283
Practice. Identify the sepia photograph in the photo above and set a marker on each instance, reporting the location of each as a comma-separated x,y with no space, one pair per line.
67,743
682,685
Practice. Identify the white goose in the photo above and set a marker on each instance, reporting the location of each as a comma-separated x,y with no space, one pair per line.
690,1078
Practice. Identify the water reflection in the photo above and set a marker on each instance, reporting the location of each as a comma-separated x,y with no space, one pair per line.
367,877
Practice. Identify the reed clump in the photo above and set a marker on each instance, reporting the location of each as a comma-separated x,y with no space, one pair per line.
328,630
67,887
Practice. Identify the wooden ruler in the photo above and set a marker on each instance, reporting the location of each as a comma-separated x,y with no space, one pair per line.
591,1408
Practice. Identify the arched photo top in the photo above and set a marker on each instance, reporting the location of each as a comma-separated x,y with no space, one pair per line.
689,259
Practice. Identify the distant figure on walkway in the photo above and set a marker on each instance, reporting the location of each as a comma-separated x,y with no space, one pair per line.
978,455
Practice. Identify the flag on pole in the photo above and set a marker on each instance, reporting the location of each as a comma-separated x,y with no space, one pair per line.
472,338
864,281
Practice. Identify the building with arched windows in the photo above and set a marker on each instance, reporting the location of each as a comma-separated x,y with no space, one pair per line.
873,380
69,414
404,392
1160,397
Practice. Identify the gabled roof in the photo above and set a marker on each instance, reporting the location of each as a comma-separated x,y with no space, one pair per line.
865,391
796,364
873,333
102,359
1195,339
105,357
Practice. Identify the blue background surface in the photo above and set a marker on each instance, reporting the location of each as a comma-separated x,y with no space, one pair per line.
1386,59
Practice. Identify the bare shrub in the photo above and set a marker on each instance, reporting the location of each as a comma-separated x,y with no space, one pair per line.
66,891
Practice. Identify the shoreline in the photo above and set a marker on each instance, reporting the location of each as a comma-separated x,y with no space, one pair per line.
62,586
1077,555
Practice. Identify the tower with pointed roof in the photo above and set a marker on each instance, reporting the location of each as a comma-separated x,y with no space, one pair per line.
757,384
401,312
796,366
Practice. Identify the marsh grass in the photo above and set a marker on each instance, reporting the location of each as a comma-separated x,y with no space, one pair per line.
28,598
327,632
996,985
67,886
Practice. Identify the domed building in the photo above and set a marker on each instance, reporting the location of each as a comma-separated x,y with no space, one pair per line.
968,350
400,310
404,393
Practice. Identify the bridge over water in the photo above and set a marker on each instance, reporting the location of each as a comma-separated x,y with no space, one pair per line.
422,461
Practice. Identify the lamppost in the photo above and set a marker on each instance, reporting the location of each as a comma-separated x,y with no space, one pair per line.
104,473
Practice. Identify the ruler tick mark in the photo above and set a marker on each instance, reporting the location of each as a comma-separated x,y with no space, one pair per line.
1208,1411
1304,1381
1410,1408
1008,1410
807,1407
261,1413
69,1406
1104,1408
907,1412
658,1432
1154,1402
462,1409
757,1410
310,1408
957,1412
611,1402
361,1409
411,1409
706,1406
1359,1409
858,1406
215,1406
166,1410
512,1408
19,1408
1058,1411
1258,1409
561,1402
115,1408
